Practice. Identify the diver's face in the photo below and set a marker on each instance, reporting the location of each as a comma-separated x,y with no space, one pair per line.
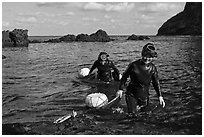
147,59
103,57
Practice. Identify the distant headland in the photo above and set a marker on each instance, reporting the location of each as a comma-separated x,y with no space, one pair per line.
187,22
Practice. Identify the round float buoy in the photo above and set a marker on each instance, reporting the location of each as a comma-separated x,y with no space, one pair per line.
96,100
84,72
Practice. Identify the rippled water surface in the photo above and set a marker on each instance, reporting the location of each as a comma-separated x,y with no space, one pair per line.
40,83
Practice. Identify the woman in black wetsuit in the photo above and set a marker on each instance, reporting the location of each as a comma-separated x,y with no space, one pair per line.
142,73
105,67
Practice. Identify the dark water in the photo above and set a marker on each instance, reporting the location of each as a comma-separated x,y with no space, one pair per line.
40,83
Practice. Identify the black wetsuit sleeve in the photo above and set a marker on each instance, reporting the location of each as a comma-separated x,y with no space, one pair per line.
93,67
114,68
125,76
155,82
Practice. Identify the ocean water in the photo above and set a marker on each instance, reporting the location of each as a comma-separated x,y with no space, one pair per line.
40,82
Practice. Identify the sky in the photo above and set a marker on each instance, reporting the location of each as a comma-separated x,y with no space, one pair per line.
62,18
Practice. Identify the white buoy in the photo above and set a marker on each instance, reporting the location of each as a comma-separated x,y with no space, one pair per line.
96,100
84,72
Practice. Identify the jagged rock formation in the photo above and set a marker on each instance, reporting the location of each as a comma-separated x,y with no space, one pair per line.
99,36
135,37
83,38
15,38
68,38
187,22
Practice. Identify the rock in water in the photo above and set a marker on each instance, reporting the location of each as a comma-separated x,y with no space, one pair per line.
100,36
135,37
15,38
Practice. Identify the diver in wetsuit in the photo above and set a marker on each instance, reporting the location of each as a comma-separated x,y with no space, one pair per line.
105,67
142,73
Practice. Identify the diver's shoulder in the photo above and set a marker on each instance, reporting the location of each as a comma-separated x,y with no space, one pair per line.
136,61
97,62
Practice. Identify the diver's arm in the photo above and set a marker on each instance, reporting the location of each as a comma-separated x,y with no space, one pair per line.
125,76
156,85
155,82
123,81
93,67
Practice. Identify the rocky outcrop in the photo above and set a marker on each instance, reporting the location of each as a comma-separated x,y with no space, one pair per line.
99,36
68,38
83,38
135,37
15,38
187,22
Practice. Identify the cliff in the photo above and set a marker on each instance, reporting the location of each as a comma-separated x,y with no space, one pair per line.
15,38
187,22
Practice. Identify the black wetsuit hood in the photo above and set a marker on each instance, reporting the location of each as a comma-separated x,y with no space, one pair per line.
102,53
149,50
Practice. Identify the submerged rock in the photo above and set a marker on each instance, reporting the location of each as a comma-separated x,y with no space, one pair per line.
187,22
